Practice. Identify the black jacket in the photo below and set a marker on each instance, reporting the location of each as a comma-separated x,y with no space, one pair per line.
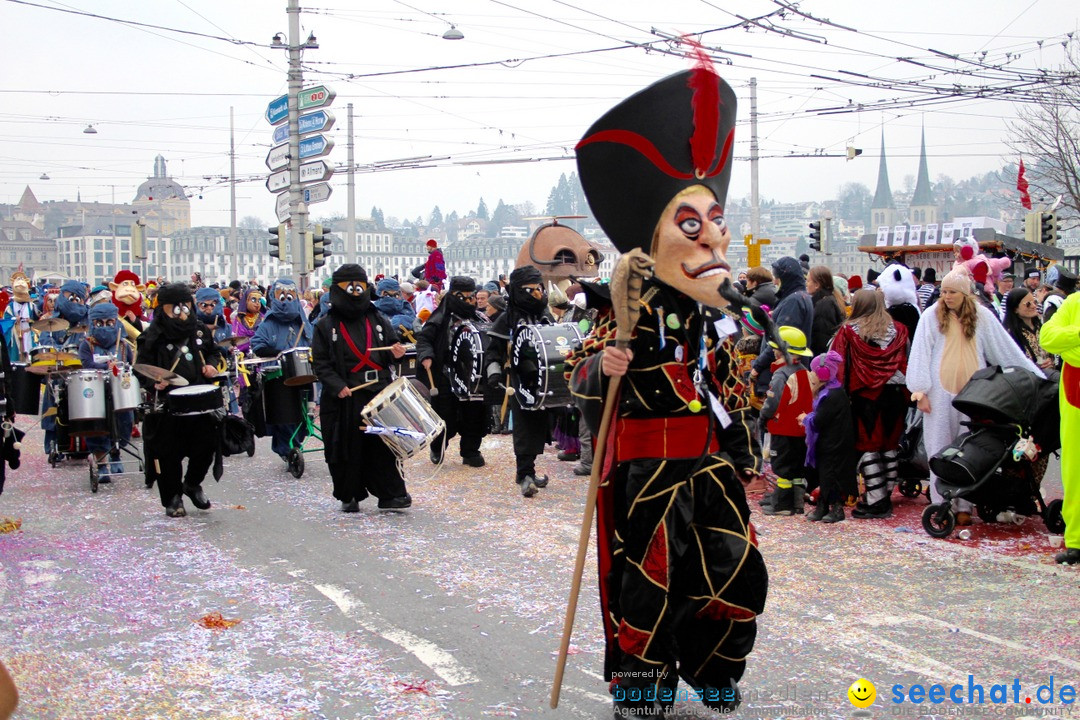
828,317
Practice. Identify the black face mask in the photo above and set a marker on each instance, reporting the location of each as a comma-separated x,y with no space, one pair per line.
527,302
346,305
175,328
459,308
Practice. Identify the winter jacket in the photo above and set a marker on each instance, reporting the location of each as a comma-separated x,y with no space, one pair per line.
765,293
828,317
795,308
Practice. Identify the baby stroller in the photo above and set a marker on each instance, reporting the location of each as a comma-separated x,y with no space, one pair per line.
914,467
1014,419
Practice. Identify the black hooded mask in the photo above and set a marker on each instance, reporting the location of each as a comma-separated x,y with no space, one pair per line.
175,328
457,306
524,301
346,305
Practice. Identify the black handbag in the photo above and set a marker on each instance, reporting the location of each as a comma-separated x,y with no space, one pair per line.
237,436
972,456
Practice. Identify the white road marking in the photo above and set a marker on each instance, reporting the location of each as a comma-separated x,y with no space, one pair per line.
919,619
441,662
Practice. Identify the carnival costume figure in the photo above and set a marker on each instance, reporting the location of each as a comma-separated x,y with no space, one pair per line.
681,577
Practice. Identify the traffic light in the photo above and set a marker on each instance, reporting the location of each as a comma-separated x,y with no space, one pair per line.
1031,227
320,241
1048,228
819,235
138,240
277,242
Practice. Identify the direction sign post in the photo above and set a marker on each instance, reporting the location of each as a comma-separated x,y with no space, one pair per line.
317,121
320,192
282,207
313,97
315,146
278,181
278,110
278,157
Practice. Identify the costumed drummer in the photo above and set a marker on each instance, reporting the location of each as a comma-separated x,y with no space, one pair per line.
175,340
70,306
527,305
682,579
23,313
464,414
101,349
284,327
352,372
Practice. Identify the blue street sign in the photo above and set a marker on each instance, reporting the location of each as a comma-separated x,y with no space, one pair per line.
278,110
312,122
315,146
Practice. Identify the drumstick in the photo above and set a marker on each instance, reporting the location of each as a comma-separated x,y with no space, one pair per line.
431,381
361,387
506,399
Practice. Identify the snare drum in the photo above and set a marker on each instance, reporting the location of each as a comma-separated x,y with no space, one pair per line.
194,400
86,395
466,362
126,393
400,406
296,366
538,357
25,390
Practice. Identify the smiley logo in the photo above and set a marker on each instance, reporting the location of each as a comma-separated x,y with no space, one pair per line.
862,693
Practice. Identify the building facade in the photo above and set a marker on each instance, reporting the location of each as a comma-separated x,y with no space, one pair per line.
95,252
22,243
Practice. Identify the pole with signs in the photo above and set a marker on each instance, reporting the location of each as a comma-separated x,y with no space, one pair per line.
297,208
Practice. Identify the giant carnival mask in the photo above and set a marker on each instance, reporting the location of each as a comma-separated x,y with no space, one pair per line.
560,253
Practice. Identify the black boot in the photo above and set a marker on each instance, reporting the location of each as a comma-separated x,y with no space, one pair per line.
799,501
350,507
784,504
198,497
836,514
820,510
1071,556
175,508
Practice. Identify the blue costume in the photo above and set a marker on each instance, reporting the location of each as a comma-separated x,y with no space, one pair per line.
101,345
282,328
219,327
70,306
398,311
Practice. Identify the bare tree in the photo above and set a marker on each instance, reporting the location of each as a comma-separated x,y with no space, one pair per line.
1047,135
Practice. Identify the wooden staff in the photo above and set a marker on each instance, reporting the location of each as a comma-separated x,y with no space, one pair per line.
431,382
633,267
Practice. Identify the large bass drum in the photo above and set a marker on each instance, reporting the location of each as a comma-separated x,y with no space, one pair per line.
465,362
537,359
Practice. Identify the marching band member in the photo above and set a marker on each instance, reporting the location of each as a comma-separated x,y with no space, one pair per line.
210,311
22,311
463,416
71,306
527,306
282,328
175,340
352,373
682,577
100,350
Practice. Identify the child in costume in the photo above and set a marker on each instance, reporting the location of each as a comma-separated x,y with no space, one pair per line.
829,430
788,398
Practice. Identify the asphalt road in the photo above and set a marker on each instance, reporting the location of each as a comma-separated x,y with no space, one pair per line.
454,608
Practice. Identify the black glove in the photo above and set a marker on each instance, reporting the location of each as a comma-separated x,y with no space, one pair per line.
495,382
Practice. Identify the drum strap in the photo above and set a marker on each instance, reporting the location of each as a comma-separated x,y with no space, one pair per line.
363,357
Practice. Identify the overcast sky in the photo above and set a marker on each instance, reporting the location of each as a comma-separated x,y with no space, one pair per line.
148,91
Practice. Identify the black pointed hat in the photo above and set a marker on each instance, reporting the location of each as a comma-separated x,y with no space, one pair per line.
674,134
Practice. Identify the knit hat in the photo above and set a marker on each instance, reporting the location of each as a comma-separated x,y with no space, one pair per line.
957,280
387,285
407,288
498,302
462,283
854,283
174,294
349,271
929,275
750,323
525,274
827,365
432,243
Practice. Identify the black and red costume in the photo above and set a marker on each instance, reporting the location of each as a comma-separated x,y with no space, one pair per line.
681,577
360,464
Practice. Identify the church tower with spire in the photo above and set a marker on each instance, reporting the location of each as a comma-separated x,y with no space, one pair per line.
923,210
882,209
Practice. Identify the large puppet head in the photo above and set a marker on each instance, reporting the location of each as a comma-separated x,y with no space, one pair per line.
71,303
559,252
897,284
655,169
127,292
20,286
285,300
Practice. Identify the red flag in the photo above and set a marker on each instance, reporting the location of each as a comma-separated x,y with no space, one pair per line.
1022,186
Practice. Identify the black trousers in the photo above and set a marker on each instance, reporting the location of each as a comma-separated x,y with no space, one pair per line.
468,418
532,430
377,475
169,439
